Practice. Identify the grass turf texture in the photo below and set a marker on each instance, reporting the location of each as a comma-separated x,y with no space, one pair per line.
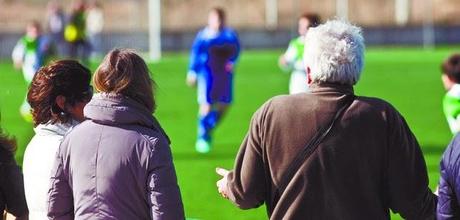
408,78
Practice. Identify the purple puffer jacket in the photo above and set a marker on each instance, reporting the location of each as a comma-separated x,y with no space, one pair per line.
449,182
116,165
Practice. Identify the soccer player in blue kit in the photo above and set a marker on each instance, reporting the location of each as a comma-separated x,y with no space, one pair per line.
212,60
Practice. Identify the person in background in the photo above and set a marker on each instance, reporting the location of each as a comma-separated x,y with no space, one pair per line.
29,54
57,95
292,59
56,20
12,200
451,102
329,154
212,61
94,27
122,146
75,33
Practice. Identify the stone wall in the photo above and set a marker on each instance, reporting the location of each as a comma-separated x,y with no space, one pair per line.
188,15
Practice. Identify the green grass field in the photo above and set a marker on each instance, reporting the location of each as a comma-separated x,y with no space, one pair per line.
409,78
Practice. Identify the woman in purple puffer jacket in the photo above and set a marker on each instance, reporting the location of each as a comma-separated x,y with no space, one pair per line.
118,163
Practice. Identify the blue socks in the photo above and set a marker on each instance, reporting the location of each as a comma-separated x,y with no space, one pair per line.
206,123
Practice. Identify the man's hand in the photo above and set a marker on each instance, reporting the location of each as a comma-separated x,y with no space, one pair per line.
222,183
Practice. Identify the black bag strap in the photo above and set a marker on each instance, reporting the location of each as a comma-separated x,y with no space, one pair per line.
311,147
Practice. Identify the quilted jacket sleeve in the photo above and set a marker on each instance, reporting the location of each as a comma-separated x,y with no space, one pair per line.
246,182
448,207
60,197
407,176
163,192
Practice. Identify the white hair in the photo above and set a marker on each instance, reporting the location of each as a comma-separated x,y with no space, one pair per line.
334,52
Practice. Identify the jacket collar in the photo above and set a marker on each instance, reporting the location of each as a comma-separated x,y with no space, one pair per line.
114,109
59,129
331,88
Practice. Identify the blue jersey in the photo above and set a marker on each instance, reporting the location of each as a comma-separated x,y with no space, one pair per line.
211,54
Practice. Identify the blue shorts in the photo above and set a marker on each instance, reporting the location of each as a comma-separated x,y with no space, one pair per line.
215,88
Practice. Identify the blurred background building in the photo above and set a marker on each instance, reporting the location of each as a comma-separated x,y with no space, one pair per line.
260,23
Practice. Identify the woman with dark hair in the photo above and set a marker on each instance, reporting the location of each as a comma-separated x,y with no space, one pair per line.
214,53
12,198
128,172
57,95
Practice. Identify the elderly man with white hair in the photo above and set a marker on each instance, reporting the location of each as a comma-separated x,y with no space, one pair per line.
329,154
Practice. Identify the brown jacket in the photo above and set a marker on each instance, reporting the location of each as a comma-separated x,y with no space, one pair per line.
368,164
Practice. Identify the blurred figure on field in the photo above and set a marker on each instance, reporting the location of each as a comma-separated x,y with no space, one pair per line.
451,102
12,200
122,146
56,20
329,154
94,27
292,59
75,33
57,95
29,54
212,61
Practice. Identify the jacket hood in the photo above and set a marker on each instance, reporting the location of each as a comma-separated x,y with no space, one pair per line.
116,109
59,129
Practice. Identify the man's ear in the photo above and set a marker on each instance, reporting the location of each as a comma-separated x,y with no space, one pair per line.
308,75
60,101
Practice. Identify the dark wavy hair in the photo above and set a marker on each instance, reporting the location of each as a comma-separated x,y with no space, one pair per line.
313,18
124,72
451,67
7,143
220,12
65,77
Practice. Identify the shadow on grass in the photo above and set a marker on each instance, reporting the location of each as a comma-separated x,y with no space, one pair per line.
428,150
433,150
22,142
191,156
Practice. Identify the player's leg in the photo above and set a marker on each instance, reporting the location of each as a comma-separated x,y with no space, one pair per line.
212,114
203,143
73,50
206,122
85,47
25,109
220,107
226,99
220,110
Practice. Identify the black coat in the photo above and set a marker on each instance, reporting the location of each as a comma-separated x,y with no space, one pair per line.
12,198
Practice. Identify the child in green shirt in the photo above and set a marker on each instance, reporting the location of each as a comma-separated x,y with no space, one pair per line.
451,101
29,55
292,59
